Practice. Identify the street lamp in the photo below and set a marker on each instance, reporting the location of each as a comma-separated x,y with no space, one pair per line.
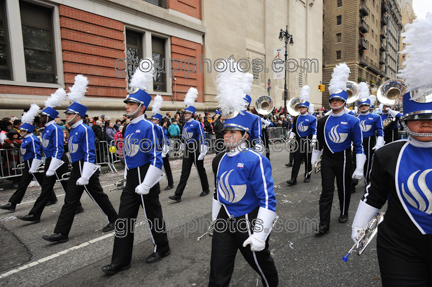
288,38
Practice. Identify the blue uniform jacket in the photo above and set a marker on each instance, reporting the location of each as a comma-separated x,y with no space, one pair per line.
193,132
340,131
82,143
30,147
305,126
370,124
53,140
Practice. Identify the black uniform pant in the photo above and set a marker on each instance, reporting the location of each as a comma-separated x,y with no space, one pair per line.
406,264
25,180
337,165
303,153
391,135
228,237
73,196
48,185
128,211
368,144
190,157
168,171
266,143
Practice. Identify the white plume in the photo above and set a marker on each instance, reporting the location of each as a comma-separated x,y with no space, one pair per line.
247,83
190,97
29,116
356,110
56,99
311,108
230,87
418,61
372,99
363,90
78,90
143,76
339,78
157,104
304,94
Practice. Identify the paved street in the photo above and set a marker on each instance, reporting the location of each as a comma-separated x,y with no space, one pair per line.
302,259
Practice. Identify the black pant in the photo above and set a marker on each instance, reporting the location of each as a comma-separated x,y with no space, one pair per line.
225,243
335,165
48,185
368,144
266,142
73,195
167,168
25,180
128,211
391,135
191,157
303,152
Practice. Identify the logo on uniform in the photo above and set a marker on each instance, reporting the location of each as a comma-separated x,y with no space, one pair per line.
302,128
187,135
416,199
337,137
73,147
364,127
130,148
45,143
229,192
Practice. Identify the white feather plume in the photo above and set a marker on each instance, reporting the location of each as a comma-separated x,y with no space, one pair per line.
311,108
29,116
363,90
230,87
143,76
157,104
190,97
418,61
56,99
339,79
78,90
304,94
247,83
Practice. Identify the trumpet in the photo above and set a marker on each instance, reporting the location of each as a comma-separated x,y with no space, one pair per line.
365,236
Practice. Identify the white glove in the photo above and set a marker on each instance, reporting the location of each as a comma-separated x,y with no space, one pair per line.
153,176
203,152
360,161
315,155
262,229
292,135
364,214
266,122
88,170
216,206
182,147
54,165
379,144
165,150
393,113
35,165
313,142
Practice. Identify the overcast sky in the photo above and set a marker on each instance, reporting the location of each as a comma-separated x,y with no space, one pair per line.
421,7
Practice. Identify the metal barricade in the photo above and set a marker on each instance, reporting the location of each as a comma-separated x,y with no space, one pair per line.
9,161
103,156
276,134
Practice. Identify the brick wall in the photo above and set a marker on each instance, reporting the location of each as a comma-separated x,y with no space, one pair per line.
182,50
91,45
188,7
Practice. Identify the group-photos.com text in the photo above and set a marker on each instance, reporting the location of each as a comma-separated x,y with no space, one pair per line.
176,67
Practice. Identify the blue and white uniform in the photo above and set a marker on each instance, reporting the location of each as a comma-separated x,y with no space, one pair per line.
82,143
193,132
255,133
391,131
30,147
53,140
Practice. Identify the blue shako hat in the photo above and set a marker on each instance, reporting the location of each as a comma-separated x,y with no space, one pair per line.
305,104
241,122
27,127
76,95
77,108
338,83
190,109
364,101
157,117
304,97
419,108
140,97
189,100
53,101
50,112
248,99
28,118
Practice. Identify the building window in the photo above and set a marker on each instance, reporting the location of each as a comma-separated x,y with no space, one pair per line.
338,37
300,79
339,3
4,46
38,43
133,52
338,55
160,3
158,56
339,20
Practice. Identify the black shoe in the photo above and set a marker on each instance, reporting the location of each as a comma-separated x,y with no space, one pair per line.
114,268
56,237
306,180
175,197
156,256
323,229
29,217
292,182
50,203
79,209
109,227
169,187
204,193
9,206
289,164
343,218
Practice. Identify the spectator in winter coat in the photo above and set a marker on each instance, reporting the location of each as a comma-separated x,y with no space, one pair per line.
174,129
110,132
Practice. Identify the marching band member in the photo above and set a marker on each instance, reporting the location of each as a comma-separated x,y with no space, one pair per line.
156,119
31,153
401,175
304,131
335,134
245,193
195,148
390,130
85,173
56,162
143,172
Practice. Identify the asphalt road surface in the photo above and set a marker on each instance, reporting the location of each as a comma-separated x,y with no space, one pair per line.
301,258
